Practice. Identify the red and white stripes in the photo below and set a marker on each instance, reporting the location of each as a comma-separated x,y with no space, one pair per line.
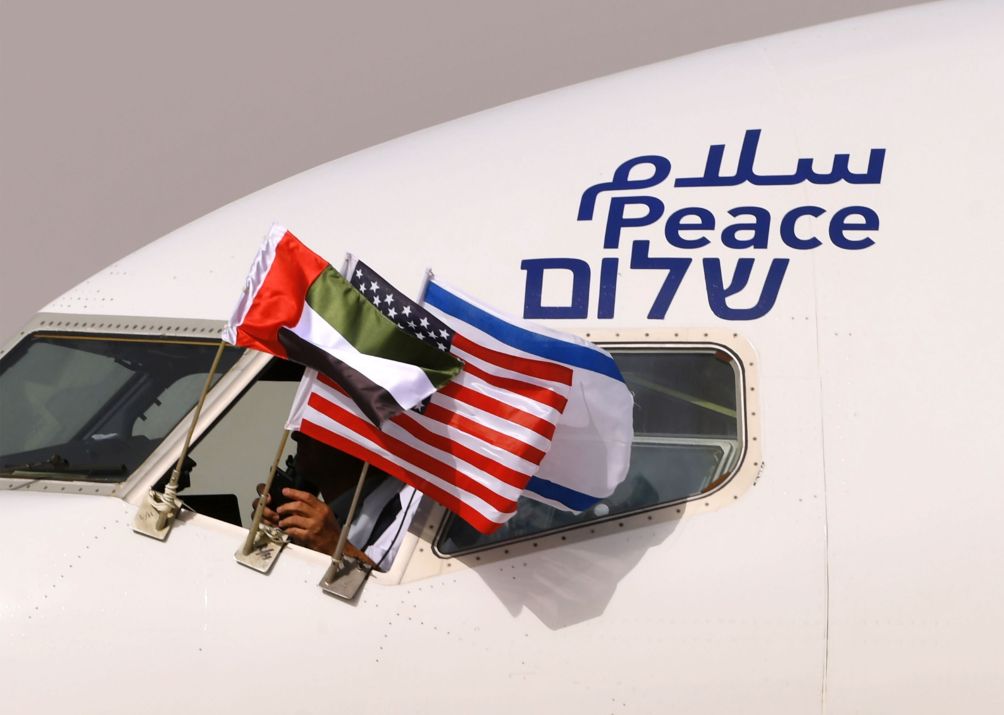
477,443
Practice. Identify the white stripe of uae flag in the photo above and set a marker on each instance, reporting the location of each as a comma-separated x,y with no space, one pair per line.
475,444
296,306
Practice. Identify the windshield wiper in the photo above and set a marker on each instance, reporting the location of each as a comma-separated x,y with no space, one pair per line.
59,467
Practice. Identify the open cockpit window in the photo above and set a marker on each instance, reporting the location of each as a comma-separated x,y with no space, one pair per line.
94,407
236,452
688,440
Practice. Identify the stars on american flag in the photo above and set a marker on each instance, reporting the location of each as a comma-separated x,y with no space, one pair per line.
407,314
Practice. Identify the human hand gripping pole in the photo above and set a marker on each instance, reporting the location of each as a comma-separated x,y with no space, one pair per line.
263,544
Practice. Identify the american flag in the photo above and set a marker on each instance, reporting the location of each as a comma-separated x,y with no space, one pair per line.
476,443
406,313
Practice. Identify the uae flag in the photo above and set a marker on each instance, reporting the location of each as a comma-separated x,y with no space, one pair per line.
473,446
296,306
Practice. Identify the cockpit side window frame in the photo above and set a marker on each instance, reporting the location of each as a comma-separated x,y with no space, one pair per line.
427,561
728,461
136,485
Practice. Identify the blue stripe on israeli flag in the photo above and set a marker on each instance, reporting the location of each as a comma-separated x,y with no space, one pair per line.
528,341
576,501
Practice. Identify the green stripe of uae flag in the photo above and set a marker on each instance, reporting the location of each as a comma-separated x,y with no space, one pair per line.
296,306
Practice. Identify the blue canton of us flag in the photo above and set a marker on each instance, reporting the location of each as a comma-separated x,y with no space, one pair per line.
409,315
406,313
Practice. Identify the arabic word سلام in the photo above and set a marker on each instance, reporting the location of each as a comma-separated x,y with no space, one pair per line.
687,228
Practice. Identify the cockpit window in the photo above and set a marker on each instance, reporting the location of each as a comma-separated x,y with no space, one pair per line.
94,407
688,427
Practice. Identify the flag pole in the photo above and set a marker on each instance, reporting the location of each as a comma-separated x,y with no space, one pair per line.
262,498
429,275
343,537
164,508
171,490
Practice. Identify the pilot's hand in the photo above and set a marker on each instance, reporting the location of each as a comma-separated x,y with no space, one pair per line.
308,521
268,515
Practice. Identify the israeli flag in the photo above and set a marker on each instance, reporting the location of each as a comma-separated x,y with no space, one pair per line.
591,447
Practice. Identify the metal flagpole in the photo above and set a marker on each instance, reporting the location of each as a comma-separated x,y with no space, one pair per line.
157,512
262,498
429,275
343,538
264,543
346,575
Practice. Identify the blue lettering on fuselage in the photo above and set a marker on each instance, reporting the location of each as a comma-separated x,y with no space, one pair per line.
849,228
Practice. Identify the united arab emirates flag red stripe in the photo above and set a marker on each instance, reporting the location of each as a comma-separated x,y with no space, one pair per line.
279,301
296,306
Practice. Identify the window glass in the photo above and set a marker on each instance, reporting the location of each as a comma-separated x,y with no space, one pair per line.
161,417
235,453
686,440
94,407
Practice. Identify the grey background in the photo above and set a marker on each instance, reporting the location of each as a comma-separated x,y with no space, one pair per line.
121,120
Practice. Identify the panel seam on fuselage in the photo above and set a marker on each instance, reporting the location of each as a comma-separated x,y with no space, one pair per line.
826,506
